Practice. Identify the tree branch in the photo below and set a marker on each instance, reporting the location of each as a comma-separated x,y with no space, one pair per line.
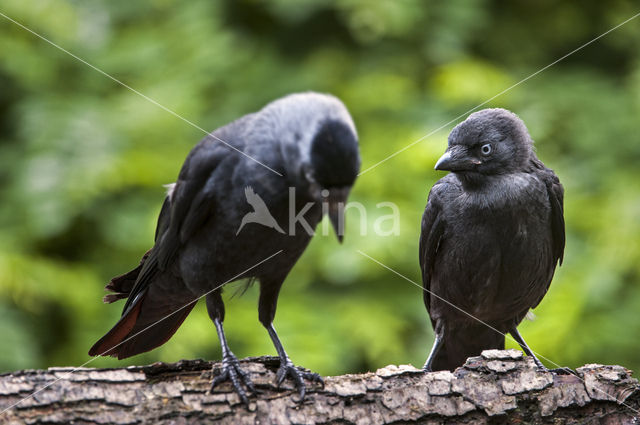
498,387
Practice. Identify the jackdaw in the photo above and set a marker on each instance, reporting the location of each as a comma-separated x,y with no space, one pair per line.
492,235
299,156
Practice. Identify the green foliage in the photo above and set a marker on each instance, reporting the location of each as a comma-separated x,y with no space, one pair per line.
83,161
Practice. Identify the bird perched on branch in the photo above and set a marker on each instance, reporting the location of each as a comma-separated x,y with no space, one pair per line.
492,235
289,162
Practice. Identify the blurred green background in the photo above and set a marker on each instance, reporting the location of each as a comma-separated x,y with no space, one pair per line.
83,161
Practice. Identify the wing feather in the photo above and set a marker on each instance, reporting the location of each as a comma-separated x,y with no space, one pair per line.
182,213
432,230
555,192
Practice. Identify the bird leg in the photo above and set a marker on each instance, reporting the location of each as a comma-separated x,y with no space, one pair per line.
288,368
516,335
437,344
269,289
230,369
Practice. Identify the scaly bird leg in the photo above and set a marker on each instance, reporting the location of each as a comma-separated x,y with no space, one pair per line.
288,368
437,344
231,369
516,335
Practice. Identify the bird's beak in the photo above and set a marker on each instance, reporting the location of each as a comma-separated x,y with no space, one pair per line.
337,200
444,161
456,158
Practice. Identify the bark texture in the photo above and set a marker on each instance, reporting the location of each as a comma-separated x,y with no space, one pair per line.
499,387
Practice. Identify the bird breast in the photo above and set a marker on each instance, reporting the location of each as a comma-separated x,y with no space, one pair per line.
495,252
506,191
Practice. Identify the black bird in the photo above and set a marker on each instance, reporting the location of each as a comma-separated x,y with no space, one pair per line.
300,151
492,235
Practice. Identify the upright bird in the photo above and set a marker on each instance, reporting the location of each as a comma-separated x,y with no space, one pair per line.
492,235
297,153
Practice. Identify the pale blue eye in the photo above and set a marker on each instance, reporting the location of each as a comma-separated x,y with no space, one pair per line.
486,149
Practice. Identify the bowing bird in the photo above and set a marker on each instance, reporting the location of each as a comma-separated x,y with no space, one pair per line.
492,235
297,153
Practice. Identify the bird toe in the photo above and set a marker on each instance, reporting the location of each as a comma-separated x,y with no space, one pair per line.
231,371
563,371
298,376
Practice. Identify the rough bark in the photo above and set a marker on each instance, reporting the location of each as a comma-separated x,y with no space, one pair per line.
499,387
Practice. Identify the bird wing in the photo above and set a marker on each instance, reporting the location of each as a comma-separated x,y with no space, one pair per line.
182,213
555,191
556,196
249,193
255,200
430,236
164,218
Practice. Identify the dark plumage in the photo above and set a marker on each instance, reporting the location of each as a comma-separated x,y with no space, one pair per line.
492,235
311,140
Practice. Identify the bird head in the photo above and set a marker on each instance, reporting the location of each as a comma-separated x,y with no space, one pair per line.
320,147
488,142
333,167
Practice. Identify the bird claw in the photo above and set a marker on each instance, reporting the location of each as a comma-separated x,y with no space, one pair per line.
298,376
231,371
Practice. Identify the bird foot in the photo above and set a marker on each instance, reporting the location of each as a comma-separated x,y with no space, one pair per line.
287,368
563,371
231,371
557,371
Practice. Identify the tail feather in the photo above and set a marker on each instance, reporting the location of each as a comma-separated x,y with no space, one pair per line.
121,285
108,344
458,344
153,317
150,334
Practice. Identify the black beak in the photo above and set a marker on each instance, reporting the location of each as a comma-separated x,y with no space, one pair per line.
456,158
444,163
337,200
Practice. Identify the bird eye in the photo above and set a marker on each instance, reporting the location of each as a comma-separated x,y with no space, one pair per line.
486,149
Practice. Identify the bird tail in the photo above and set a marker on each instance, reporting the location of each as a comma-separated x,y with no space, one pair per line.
122,285
458,344
153,317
